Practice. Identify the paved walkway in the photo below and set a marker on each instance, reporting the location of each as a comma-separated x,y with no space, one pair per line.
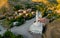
23,29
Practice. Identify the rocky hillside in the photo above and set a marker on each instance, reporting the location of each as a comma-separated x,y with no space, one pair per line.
53,29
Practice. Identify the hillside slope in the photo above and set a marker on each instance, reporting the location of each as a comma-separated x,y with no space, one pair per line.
53,30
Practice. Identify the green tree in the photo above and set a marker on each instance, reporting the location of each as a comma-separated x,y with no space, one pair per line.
19,36
17,7
0,36
8,34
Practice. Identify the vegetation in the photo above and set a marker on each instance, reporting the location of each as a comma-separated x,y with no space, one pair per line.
9,34
19,36
18,7
0,36
20,19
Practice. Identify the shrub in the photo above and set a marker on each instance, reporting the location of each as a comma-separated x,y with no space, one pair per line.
8,34
17,7
10,22
0,36
20,19
29,16
19,36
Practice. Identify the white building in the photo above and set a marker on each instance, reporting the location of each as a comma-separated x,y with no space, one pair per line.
37,27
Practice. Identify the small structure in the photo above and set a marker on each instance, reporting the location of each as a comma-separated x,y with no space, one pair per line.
15,23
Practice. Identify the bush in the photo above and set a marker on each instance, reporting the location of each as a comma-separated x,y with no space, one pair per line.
19,36
9,34
10,22
29,16
20,19
49,16
0,36
17,7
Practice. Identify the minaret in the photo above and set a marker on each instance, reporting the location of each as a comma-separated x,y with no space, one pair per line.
37,17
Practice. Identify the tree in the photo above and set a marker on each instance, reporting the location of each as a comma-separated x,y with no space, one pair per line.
17,7
8,34
19,36
0,36
27,5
